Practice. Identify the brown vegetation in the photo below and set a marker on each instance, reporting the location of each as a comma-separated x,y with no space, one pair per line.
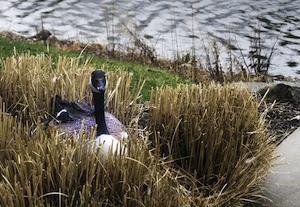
216,136
203,145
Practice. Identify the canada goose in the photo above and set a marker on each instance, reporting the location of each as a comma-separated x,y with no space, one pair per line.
74,116
103,137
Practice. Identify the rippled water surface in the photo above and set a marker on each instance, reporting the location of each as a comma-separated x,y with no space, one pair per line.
168,25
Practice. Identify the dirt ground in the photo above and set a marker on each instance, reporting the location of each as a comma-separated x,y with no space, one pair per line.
283,118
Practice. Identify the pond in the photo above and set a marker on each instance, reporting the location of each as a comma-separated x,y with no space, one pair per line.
171,27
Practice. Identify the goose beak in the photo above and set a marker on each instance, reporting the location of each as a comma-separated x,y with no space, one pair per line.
100,84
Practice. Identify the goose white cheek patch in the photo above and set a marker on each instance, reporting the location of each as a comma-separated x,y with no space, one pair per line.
92,87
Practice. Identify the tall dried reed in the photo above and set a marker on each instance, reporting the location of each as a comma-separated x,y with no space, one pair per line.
216,135
29,82
38,170
43,170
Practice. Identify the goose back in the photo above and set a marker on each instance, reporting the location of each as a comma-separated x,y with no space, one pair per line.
74,116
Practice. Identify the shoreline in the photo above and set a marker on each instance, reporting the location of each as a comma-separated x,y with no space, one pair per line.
149,57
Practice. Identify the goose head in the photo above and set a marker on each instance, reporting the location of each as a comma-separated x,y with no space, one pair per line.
98,81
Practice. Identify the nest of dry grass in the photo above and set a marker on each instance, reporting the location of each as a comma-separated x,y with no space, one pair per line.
216,134
204,146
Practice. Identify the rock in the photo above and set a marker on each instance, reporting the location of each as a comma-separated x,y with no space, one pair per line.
282,92
42,35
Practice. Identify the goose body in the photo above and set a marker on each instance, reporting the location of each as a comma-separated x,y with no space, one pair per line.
74,116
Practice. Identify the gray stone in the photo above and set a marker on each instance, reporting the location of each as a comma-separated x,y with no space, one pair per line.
283,184
282,92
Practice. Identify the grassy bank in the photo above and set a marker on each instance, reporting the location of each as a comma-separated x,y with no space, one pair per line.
153,76
190,144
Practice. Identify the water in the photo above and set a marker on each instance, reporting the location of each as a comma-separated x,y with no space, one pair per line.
169,26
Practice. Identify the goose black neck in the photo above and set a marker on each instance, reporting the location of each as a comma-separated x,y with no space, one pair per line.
99,113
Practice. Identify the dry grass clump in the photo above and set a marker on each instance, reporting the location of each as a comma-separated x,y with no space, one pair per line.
39,169
217,137
44,171
29,82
